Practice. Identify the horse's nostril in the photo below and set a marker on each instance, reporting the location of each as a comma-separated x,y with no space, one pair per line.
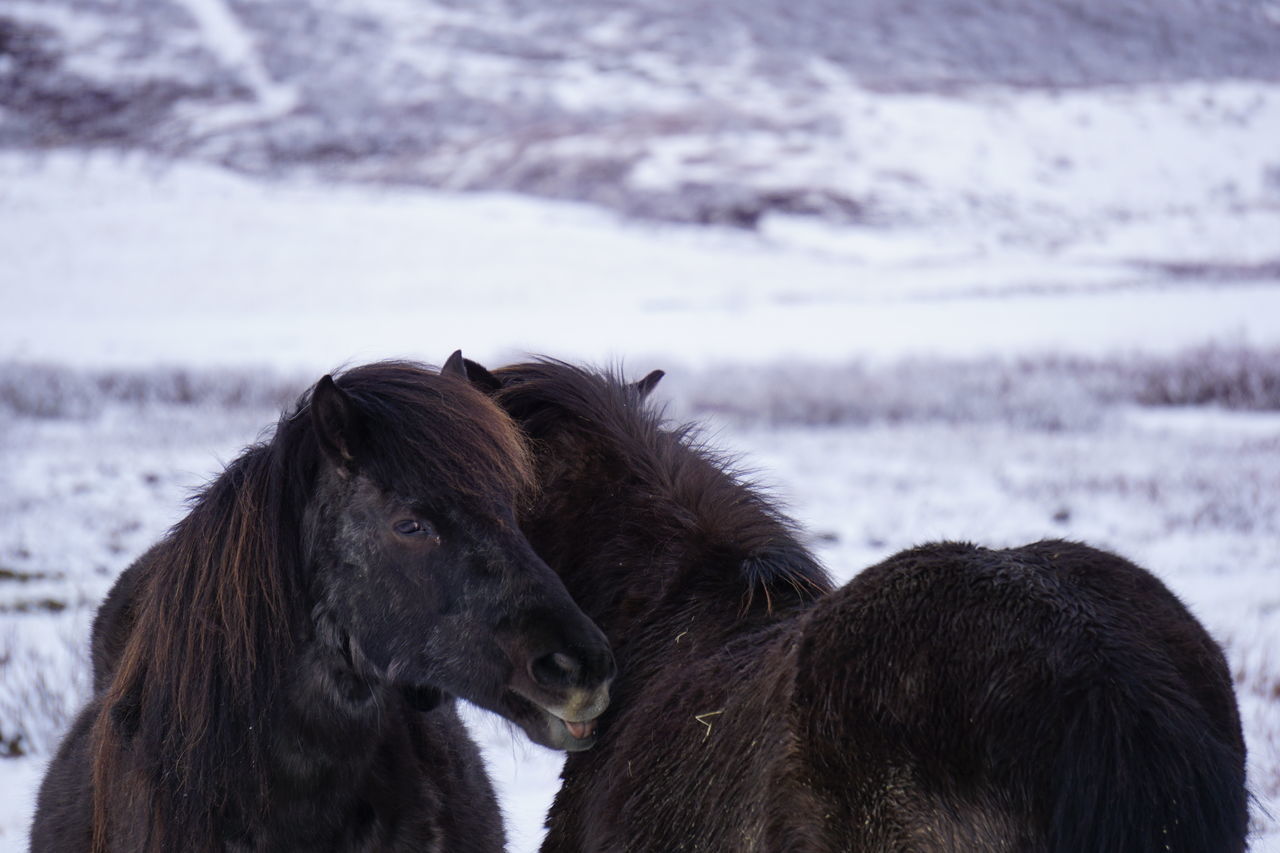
566,663
556,670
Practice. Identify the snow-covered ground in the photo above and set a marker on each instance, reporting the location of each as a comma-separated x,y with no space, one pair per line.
153,316
133,262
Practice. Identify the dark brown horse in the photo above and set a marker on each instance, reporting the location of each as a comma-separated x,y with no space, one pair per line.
1045,698
279,672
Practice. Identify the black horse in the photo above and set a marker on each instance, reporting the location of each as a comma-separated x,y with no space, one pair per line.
278,673
1044,698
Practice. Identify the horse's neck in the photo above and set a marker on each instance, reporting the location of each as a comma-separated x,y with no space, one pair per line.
658,549
651,587
327,741
329,713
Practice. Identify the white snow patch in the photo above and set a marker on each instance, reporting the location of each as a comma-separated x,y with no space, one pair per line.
125,262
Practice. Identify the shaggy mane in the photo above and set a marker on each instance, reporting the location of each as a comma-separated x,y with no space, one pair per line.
719,509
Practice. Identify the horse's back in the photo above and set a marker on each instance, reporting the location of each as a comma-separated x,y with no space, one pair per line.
1050,697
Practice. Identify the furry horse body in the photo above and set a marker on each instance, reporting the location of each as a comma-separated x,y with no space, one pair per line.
279,673
1045,698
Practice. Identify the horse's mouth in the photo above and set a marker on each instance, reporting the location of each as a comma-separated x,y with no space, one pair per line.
572,736
580,731
555,728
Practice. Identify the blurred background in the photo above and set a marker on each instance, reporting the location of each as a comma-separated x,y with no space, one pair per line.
990,271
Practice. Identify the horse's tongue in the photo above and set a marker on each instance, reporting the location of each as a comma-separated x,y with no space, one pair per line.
581,730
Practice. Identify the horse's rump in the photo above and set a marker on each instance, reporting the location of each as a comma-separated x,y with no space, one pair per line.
1049,692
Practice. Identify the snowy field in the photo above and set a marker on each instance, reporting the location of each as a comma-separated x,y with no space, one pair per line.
897,384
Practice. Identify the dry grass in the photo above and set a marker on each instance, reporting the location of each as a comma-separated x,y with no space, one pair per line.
1039,393
47,391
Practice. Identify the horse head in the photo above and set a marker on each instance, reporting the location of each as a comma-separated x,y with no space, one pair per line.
420,578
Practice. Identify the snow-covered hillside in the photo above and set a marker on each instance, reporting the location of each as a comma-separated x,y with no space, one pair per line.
1061,114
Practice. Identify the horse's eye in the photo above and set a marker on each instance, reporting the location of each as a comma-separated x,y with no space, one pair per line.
414,527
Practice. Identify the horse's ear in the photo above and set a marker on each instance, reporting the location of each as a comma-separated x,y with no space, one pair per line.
455,365
471,371
645,386
336,422
481,377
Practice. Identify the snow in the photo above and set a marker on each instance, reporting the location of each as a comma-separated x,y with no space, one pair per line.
1009,116
19,780
124,263
114,262
237,50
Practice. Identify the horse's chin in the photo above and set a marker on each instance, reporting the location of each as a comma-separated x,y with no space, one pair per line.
544,727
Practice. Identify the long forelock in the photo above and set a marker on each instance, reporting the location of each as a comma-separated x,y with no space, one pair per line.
430,428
